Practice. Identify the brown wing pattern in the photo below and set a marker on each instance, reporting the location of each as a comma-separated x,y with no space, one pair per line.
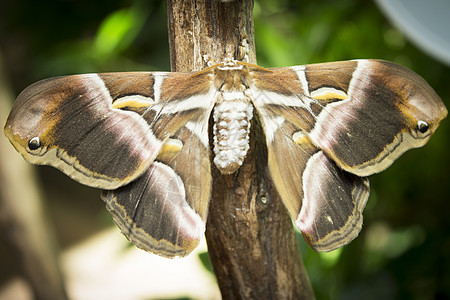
143,138
329,125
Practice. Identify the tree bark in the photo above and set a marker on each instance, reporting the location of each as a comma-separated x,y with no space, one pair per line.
251,240
202,31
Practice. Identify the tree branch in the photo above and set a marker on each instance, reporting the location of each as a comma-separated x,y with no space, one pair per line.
251,240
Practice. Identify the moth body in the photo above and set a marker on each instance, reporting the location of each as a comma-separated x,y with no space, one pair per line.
232,117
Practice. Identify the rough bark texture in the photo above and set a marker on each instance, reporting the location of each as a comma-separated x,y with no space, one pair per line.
209,31
251,240
22,224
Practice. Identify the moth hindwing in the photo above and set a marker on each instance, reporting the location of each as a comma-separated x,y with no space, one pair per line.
143,138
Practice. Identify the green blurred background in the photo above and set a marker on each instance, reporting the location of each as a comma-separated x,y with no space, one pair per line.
403,251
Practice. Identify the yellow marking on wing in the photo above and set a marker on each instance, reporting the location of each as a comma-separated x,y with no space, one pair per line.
300,138
172,145
327,93
170,149
133,101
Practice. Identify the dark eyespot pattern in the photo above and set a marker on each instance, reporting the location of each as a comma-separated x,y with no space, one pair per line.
422,126
34,143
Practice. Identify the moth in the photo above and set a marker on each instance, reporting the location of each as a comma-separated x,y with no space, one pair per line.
143,137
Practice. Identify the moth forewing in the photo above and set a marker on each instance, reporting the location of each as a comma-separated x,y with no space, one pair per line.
379,120
69,115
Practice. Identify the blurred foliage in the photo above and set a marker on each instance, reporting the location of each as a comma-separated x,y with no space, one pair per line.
403,251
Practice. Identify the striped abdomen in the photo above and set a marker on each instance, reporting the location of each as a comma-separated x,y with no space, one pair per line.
232,115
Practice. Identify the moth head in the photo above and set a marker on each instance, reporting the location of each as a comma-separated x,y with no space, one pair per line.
425,111
420,104
31,121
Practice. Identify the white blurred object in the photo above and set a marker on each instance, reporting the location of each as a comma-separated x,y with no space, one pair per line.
105,267
425,23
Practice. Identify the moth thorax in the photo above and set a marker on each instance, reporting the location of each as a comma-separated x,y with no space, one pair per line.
231,132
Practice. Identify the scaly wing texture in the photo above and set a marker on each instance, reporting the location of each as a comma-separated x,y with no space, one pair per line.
325,202
369,112
329,125
164,210
106,130
80,132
